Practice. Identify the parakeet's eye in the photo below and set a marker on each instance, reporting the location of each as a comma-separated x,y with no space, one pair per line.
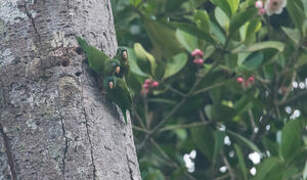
111,85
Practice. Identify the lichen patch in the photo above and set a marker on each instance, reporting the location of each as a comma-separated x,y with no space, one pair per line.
10,13
6,57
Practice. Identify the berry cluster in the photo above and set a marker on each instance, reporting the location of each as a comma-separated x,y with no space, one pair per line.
260,7
148,84
198,55
246,82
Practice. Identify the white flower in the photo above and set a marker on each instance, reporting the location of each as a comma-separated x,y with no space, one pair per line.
259,4
255,157
274,6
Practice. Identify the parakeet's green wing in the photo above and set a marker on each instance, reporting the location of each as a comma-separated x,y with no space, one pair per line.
96,58
120,95
126,92
110,67
126,100
82,43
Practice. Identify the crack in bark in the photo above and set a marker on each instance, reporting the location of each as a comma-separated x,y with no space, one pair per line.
90,141
39,46
66,145
87,128
64,135
32,22
8,153
129,167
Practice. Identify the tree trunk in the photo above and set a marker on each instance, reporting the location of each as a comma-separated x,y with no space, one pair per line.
54,121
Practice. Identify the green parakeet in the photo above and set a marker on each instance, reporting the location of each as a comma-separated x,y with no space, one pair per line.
122,55
113,71
101,63
96,58
118,92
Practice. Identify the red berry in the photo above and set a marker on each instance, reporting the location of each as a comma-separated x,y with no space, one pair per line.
261,11
197,52
148,81
145,86
198,61
240,80
251,79
155,84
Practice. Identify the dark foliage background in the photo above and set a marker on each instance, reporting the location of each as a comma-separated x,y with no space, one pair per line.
200,122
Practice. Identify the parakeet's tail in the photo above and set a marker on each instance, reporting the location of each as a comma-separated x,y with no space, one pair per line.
82,43
125,115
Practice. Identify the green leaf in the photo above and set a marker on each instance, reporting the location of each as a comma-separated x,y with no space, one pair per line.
154,174
296,11
244,103
187,40
193,29
224,5
218,143
240,19
293,34
209,51
253,26
305,171
253,61
301,60
289,172
202,20
217,33
234,4
241,161
221,112
181,134
260,46
222,18
197,3
266,167
161,100
173,5
203,137
133,64
291,138
135,3
266,45
246,141
142,54
175,64
209,111
163,37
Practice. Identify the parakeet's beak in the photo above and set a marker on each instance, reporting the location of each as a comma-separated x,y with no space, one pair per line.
111,85
117,69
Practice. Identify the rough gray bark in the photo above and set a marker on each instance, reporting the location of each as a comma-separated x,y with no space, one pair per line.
54,120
